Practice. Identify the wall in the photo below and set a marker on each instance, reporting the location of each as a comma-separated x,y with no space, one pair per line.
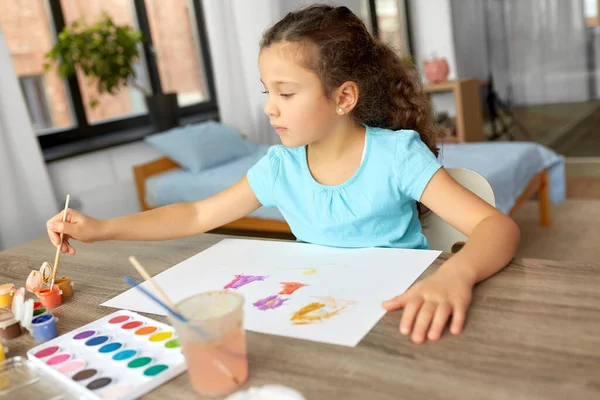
431,31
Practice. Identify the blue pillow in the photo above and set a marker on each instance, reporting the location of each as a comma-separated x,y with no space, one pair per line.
201,146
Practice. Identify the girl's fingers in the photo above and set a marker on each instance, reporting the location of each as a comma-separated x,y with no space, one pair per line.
423,321
458,318
440,319
408,315
396,303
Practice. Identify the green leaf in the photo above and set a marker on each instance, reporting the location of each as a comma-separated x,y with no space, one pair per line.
103,51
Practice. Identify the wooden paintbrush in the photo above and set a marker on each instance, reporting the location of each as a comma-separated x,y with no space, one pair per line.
59,247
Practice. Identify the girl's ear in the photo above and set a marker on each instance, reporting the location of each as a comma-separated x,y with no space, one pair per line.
346,97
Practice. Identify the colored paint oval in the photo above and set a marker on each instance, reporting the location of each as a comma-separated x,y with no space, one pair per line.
159,337
48,351
41,319
118,319
95,341
155,370
146,330
132,324
139,362
99,383
85,374
71,366
61,358
172,344
109,348
84,335
38,311
124,355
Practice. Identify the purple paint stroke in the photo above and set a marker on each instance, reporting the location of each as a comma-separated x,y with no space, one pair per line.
269,303
241,280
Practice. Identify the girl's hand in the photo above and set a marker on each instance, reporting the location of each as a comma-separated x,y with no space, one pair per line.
77,226
429,304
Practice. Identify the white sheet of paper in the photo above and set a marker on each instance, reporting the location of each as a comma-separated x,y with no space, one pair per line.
364,276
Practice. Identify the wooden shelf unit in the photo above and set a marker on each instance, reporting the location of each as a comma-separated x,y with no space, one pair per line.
469,119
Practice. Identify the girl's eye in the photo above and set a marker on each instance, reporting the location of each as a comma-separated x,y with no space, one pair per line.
286,95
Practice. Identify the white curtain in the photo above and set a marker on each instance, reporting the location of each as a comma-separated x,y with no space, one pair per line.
26,196
234,30
547,51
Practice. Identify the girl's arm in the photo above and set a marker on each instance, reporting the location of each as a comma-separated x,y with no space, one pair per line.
163,223
493,236
493,240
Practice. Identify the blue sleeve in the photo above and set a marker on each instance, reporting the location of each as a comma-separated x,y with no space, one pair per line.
415,164
262,176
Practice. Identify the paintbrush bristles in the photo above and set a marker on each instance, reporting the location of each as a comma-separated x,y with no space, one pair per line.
59,247
147,277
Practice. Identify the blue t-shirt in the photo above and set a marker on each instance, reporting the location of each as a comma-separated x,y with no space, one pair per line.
376,207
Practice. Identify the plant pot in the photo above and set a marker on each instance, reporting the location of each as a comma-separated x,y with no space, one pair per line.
163,111
436,70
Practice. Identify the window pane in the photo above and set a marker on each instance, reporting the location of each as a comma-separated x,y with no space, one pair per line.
174,33
27,27
127,102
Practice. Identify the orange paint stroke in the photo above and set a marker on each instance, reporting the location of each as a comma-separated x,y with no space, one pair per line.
333,302
291,287
319,311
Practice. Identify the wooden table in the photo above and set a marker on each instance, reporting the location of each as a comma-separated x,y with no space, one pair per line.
533,332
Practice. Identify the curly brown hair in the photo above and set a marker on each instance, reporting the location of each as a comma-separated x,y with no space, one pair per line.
340,49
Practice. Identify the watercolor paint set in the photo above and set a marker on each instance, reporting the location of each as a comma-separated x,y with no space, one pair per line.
121,356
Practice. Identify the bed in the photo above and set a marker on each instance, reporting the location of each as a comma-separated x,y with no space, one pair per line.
517,171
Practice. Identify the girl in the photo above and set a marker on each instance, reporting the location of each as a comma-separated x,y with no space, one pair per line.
358,154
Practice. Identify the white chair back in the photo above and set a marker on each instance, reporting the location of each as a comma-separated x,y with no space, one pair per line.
441,235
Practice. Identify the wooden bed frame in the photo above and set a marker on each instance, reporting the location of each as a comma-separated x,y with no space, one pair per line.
280,229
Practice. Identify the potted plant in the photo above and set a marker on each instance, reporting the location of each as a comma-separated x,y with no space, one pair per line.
106,53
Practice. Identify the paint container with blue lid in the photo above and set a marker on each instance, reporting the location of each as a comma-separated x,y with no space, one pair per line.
44,328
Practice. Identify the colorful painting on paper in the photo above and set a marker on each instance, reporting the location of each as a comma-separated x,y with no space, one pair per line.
241,280
291,287
321,310
269,303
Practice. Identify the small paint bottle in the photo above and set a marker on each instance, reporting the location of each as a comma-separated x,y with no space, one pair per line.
9,326
6,294
66,285
51,298
37,304
44,328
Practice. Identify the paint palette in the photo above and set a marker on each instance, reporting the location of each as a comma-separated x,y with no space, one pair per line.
121,356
